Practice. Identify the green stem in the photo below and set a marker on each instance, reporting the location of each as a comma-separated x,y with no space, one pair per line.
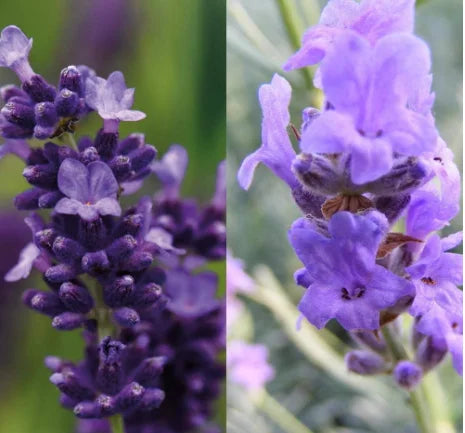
72,141
117,424
419,403
278,413
294,29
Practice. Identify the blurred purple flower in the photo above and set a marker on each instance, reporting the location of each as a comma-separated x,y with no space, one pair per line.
248,365
91,191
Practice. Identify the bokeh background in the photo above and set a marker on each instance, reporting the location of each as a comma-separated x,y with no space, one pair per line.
258,220
173,52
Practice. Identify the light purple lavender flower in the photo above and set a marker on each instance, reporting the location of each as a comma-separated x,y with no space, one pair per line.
276,150
438,301
25,263
372,19
248,364
14,52
347,284
171,169
368,87
191,295
90,191
112,100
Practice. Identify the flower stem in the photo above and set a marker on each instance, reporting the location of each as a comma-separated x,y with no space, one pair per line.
418,401
117,424
72,141
278,413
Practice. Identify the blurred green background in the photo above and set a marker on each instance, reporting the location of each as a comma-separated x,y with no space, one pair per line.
258,219
173,53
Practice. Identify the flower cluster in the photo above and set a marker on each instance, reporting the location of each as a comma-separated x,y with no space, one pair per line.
370,157
131,277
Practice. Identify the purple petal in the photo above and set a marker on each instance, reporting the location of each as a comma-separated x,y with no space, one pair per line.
130,115
451,241
101,181
163,239
357,314
26,260
320,304
20,148
172,167
276,151
331,132
455,346
69,206
14,52
73,180
108,206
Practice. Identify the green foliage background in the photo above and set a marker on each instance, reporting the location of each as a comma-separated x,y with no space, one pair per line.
175,57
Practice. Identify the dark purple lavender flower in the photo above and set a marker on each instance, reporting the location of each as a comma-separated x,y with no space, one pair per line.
364,362
347,284
372,19
112,100
408,374
90,191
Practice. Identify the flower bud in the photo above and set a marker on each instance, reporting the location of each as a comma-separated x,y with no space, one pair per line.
67,250
89,155
106,404
18,113
45,114
130,224
95,263
430,353
110,373
10,130
371,339
87,409
39,90
67,103
126,317
139,261
48,200
364,363
120,292
46,303
129,397
29,199
44,239
152,399
149,371
71,385
68,321
43,132
142,157
76,298
10,91
131,143
148,295
42,176
121,167
121,248
70,78
60,273
407,374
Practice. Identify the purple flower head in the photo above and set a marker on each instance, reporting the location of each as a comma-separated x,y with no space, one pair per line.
248,365
14,52
408,374
171,169
191,295
347,284
112,100
276,151
368,89
90,191
372,19
438,302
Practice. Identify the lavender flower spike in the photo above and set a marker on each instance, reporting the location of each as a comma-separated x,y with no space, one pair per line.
91,191
112,100
14,52
276,151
